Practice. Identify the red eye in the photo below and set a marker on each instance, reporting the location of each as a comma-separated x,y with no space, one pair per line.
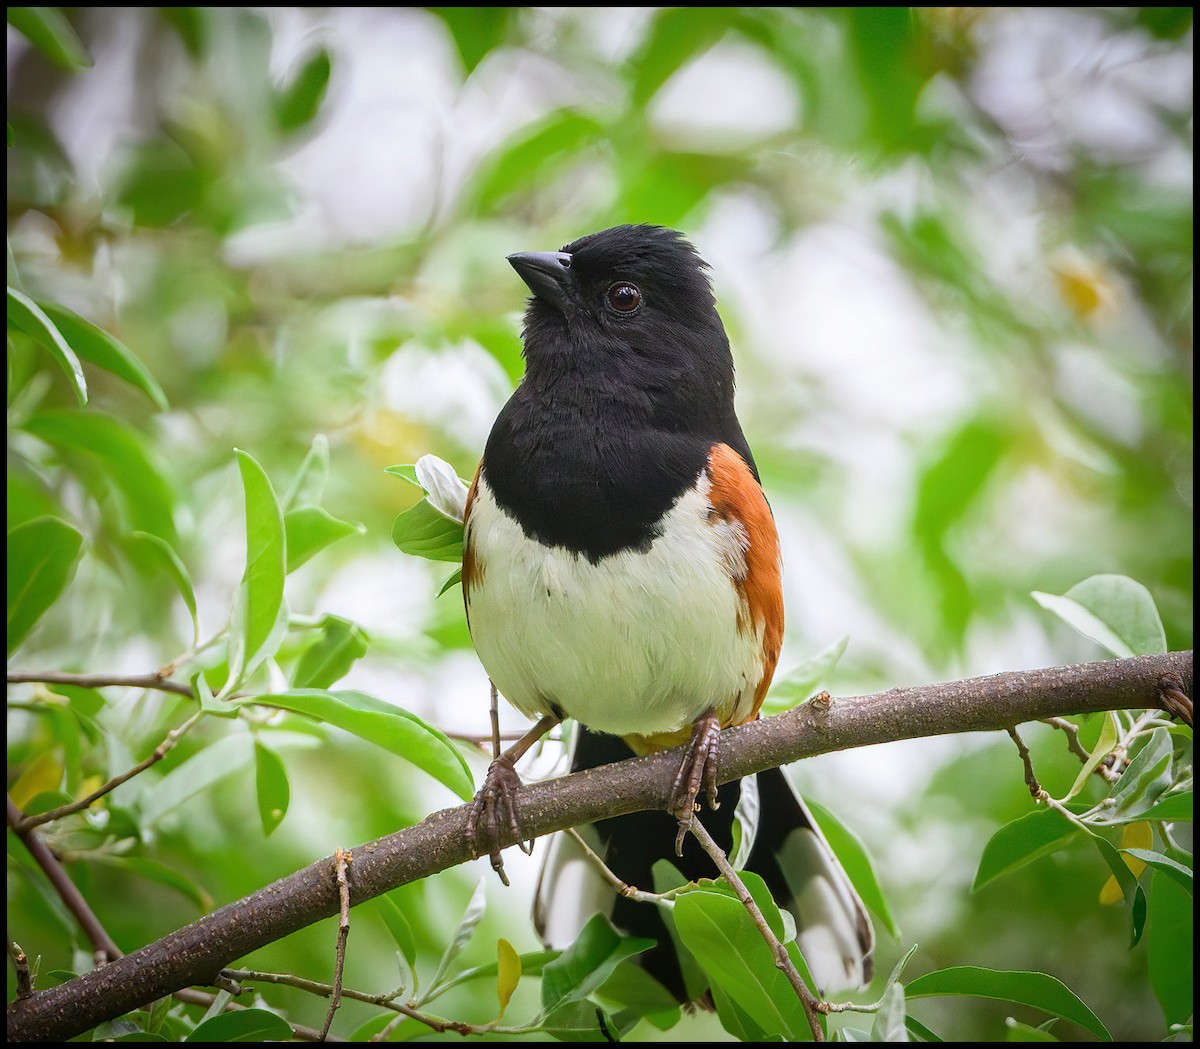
624,297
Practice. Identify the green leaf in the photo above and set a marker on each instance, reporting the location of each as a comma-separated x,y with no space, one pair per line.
587,963
1114,611
801,682
49,31
102,349
245,1025
1171,807
1026,988
309,484
166,557
309,529
393,917
424,532
472,916
630,987
154,871
454,580
1172,869
1147,776
1170,951
124,459
260,616
530,158
476,30
26,315
271,787
387,726
1022,841
677,35
856,861
725,941
329,658
193,776
889,1020
1110,733
42,557
1019,1032
299,102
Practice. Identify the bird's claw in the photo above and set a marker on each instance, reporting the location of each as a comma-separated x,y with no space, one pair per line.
493,813
697,770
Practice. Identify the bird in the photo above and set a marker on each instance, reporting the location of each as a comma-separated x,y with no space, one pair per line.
622,569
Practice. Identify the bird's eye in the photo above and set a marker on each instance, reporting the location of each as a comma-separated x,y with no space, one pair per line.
624,298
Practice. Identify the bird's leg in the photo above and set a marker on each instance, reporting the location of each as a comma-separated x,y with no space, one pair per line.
494,809
698,769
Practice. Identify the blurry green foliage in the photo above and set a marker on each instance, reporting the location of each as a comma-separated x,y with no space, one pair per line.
176,293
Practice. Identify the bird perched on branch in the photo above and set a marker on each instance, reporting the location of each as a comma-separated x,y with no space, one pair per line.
621,568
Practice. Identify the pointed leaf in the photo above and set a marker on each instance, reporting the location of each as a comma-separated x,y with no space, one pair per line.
271,787
260,618
1022,841
800,682
1027,988
245,1025
392,728
42,557
309,484
724,940
49,31
587,963
27,316
309,529
424,532
1110,733
331,656
124,458
104,350
508,973
165,555
1114,611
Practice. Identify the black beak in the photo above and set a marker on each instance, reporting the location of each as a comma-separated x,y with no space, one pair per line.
547,273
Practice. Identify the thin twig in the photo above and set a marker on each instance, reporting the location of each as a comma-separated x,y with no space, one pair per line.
1031,781
343,858
160,752
624,888
205,999
21,966
103,948
494,709
783,962
58,677
384,1001
1071,731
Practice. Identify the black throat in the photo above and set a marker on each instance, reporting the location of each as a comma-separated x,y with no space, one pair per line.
592,465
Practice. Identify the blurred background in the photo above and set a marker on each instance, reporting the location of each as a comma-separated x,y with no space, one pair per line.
953,251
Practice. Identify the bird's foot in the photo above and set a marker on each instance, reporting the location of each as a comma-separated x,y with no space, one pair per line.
697,770
494,812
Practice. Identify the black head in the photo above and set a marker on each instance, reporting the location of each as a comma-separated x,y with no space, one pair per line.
632,305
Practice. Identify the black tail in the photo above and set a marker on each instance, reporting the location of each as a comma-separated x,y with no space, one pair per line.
776,838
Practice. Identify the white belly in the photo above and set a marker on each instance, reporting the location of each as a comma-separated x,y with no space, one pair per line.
641,642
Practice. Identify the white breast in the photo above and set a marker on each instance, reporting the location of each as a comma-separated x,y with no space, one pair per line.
640,642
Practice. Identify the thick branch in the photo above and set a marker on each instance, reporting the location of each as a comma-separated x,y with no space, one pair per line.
197,953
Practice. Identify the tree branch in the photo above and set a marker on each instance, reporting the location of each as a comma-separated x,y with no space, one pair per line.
197,953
